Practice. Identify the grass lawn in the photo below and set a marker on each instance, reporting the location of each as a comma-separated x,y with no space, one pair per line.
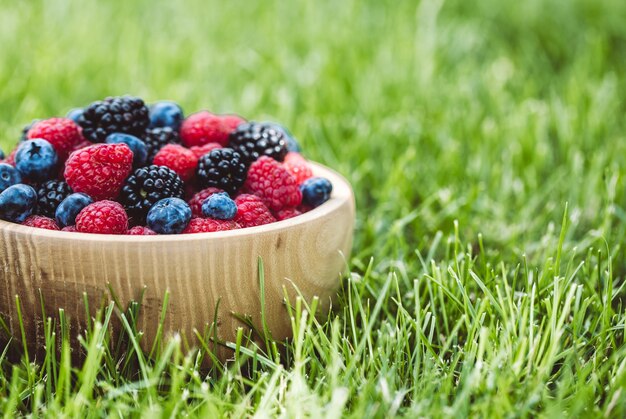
486,143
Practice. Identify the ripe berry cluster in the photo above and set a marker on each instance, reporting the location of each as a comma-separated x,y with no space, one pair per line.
119,166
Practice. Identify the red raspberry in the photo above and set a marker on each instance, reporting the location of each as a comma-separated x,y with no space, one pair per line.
298,167
10,159
269,180
62,133
79,146
70,229
204,127
286,213
232,121
140,231
178,158
196,201
208,225
201,150
39,221
99,170
252,212
102,217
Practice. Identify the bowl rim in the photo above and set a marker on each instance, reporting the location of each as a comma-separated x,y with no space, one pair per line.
342,194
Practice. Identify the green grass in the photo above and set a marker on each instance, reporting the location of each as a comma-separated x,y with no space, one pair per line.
486,143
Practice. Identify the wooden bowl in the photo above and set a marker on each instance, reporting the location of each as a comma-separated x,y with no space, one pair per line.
211,278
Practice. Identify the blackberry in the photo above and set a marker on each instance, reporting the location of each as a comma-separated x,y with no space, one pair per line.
50,195
292,143
156,138
126,114
253,140
27,128
148,185
222,168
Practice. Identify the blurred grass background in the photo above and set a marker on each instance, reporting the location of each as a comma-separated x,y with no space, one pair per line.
491,113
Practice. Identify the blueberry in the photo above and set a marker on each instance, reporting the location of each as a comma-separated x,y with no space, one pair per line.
166,114
219,206
316,191
36,160
1,154
74,114
9,176
169,216
69,208
138,147
17,202
292,143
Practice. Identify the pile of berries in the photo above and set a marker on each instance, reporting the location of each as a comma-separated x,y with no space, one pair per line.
121,167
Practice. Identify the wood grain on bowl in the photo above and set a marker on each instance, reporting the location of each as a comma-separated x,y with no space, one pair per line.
307,252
